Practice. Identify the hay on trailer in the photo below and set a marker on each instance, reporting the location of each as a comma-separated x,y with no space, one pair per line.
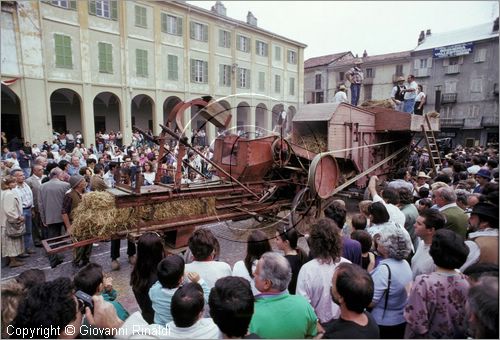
315,143
97,215
433,114
386,103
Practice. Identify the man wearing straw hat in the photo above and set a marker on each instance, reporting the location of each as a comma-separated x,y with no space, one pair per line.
397,94
341,96
355,77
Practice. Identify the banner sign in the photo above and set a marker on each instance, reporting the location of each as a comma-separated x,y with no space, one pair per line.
453,50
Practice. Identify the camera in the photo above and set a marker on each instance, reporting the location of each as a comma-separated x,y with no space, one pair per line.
84,300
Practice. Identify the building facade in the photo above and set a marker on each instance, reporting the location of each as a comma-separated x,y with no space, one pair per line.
107,65
459,72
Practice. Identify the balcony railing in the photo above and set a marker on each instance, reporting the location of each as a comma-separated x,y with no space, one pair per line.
472,123
448,98
489,121
422,72
452,69
451,122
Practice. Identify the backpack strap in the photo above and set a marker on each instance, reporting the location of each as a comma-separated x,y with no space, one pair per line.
388,289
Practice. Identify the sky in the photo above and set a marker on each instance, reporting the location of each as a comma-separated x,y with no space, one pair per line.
378,27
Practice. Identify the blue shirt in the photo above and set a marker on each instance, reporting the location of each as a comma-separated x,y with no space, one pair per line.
401,275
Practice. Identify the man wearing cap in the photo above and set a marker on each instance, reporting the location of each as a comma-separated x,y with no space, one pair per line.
341,96
81,255
482,177
397,94
410,94
355,77
483,238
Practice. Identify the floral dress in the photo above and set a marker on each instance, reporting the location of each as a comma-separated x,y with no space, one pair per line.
436,306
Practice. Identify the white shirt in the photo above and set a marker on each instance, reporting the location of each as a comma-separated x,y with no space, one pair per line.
239,269
420,96
340,97
210,271
411,95
422,262
314,282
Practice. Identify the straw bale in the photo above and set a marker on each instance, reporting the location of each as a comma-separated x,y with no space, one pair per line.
386,103
315,143
97,215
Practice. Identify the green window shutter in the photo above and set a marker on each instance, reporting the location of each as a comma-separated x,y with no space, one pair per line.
68,61
172,67
266,52
58,49
114,9
256,47
92,7
179,26
205,71
228,39
145,62
221,38
100,47
247,48
193,70
164,22
221,75
191,30
138,67
72,4
205,32
262,80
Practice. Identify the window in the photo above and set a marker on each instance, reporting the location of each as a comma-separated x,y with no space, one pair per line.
262,81
243,78
450,87
476,85
105,57
370,73
423,63
277,53
480,55
224,38
473,111
277,83
173,67
199,71
64,58
292,86
453,61
243,43
317,85
65,4
225,75
399,70
261,48
171,24
292,57
341,76
199,31
140,17
319,97
104,8
141,63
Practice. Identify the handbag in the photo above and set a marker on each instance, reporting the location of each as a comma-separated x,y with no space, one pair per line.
14,228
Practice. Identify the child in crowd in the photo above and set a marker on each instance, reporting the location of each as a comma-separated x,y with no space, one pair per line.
358,222
170,278
363,209
91,280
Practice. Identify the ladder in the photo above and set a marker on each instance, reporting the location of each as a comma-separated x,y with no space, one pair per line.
432,147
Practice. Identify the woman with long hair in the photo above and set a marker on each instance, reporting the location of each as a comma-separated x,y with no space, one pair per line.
149,173
257,244
315,276
286,240
11,210
150,252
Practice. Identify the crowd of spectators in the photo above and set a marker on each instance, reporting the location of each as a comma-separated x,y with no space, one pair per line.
419,260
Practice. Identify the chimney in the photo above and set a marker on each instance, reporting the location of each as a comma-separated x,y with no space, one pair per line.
251,19
219,8
495,25
421,37
365,54
428,32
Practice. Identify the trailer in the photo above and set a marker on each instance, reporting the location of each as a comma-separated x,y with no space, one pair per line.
332,148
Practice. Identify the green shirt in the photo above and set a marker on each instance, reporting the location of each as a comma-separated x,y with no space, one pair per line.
283,316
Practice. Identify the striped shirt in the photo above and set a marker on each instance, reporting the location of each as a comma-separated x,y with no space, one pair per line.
25,195
356,74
